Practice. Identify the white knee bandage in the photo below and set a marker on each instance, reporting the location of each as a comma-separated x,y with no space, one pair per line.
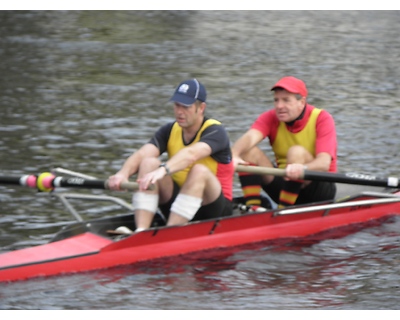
186,206
145,201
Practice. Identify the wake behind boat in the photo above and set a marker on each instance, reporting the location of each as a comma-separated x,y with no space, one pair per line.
89,245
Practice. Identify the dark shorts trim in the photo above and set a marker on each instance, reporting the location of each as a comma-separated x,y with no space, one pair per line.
221,207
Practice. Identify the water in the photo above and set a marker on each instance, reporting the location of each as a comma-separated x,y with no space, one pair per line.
83,89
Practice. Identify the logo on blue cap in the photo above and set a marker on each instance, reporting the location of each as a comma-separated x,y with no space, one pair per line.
188,92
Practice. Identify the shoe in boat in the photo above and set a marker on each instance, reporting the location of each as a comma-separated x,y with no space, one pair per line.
123,230
126,230
251,209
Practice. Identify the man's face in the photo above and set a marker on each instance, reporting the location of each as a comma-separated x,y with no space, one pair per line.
287,106
186,116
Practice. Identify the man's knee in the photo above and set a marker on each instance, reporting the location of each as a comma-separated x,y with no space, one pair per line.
256,156
199,171
149,164
298,154
202,182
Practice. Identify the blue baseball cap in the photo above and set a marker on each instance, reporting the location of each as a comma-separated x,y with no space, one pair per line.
188,92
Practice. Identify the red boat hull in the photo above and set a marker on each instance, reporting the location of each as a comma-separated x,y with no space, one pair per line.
87,251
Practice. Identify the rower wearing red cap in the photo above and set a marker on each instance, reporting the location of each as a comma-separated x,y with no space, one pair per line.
301,136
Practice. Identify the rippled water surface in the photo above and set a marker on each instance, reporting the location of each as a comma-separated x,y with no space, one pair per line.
83,89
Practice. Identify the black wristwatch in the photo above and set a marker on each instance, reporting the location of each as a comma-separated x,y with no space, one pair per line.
165,167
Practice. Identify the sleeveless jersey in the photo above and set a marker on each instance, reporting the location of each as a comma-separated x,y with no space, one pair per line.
315,131
219,162
285,139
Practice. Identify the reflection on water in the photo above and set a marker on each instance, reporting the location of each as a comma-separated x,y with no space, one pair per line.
83,89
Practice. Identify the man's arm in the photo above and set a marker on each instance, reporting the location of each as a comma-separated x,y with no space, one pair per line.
181,160
188,155
131,165
321,162
247,141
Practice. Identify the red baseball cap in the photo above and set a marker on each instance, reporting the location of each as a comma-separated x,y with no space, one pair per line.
292,85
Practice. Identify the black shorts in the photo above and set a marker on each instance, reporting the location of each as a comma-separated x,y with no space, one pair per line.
314,192
221,207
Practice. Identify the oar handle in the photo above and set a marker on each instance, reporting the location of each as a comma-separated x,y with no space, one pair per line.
129,186
261,170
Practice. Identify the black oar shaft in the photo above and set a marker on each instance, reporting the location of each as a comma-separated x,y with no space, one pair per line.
92,184
46,182
349,178
11,180
79,183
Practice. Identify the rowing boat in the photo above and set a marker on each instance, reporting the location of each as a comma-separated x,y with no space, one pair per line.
87,245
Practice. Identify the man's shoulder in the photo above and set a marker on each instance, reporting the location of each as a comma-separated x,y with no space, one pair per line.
322,113
325,120
325,115
211,121
212,125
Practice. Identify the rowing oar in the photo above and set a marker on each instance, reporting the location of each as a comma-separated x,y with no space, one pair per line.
349,178
47,182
